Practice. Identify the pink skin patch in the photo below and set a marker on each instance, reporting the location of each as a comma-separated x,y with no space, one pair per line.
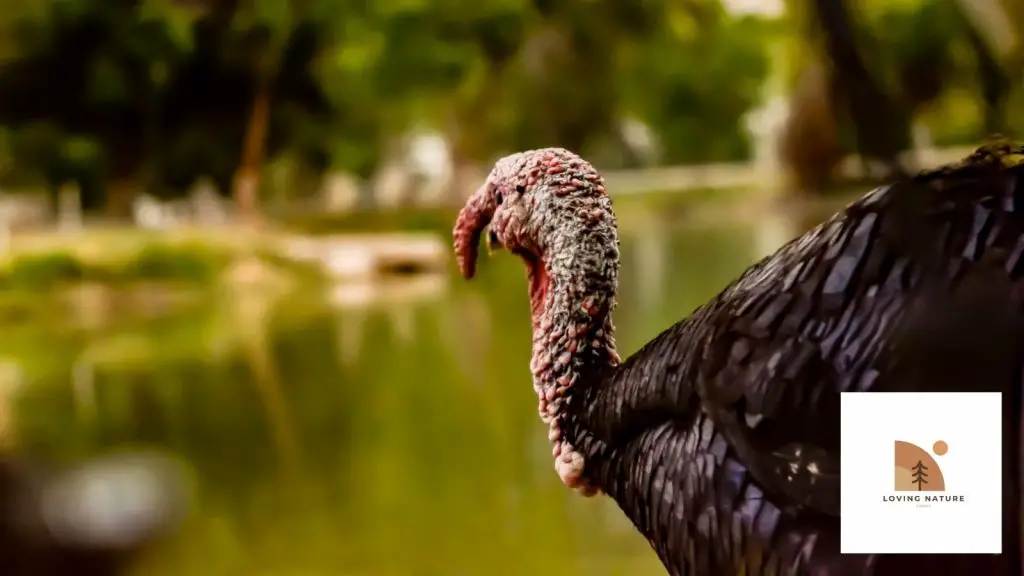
468,227
569,463
550,208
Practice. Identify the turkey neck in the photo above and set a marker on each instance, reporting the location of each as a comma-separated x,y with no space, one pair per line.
572,294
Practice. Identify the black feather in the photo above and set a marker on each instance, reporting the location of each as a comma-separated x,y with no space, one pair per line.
720,437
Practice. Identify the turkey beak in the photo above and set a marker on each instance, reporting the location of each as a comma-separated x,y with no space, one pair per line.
492,242
473,217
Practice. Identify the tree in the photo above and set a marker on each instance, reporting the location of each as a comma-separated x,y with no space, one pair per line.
83,73
694,77
919,475
151,92
895,63
881,128
157,93
246,93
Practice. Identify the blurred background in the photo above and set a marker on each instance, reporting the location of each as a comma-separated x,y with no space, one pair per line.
225,237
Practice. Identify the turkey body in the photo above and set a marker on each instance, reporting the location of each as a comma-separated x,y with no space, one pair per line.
720,437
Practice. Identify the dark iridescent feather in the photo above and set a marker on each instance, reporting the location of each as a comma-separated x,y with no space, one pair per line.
720,438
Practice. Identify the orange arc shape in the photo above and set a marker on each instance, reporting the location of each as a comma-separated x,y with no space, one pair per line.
907,458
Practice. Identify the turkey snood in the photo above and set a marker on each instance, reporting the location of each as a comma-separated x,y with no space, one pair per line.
550,207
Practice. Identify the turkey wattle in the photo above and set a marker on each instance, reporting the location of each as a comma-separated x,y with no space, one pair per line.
720,437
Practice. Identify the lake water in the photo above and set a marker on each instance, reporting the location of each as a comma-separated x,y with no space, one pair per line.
331,435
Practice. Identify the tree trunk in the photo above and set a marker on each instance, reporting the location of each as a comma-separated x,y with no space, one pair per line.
995,86
467,134
881,129
247,177
808,145
120,196
988,46
1015,56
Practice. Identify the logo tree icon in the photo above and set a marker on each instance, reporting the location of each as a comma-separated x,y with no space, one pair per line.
916,470
919,475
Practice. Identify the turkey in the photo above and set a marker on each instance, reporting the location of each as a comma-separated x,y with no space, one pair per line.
719,439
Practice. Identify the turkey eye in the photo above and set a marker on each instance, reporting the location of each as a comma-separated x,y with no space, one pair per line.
520,189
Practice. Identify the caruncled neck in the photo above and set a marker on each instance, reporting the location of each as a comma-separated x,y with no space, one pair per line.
572,293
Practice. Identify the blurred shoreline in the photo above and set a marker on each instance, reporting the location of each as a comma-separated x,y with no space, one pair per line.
344,244
203,210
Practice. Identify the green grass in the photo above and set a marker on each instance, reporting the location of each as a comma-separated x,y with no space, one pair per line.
128,257
404,219
199,257
683,200
440,220
35,272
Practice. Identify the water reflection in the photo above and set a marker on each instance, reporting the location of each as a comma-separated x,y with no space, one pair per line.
356,433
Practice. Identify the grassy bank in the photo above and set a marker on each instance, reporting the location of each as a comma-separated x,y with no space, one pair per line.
127,256
441,219
207,256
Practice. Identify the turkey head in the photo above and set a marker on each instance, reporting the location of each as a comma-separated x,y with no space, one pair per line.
550,208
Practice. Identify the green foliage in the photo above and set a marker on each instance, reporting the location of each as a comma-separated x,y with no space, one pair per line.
159,91
193,263
54,269
437,220
43,271
696,104
932,60
163,262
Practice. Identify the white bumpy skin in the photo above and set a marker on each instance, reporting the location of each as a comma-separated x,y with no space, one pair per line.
550,207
